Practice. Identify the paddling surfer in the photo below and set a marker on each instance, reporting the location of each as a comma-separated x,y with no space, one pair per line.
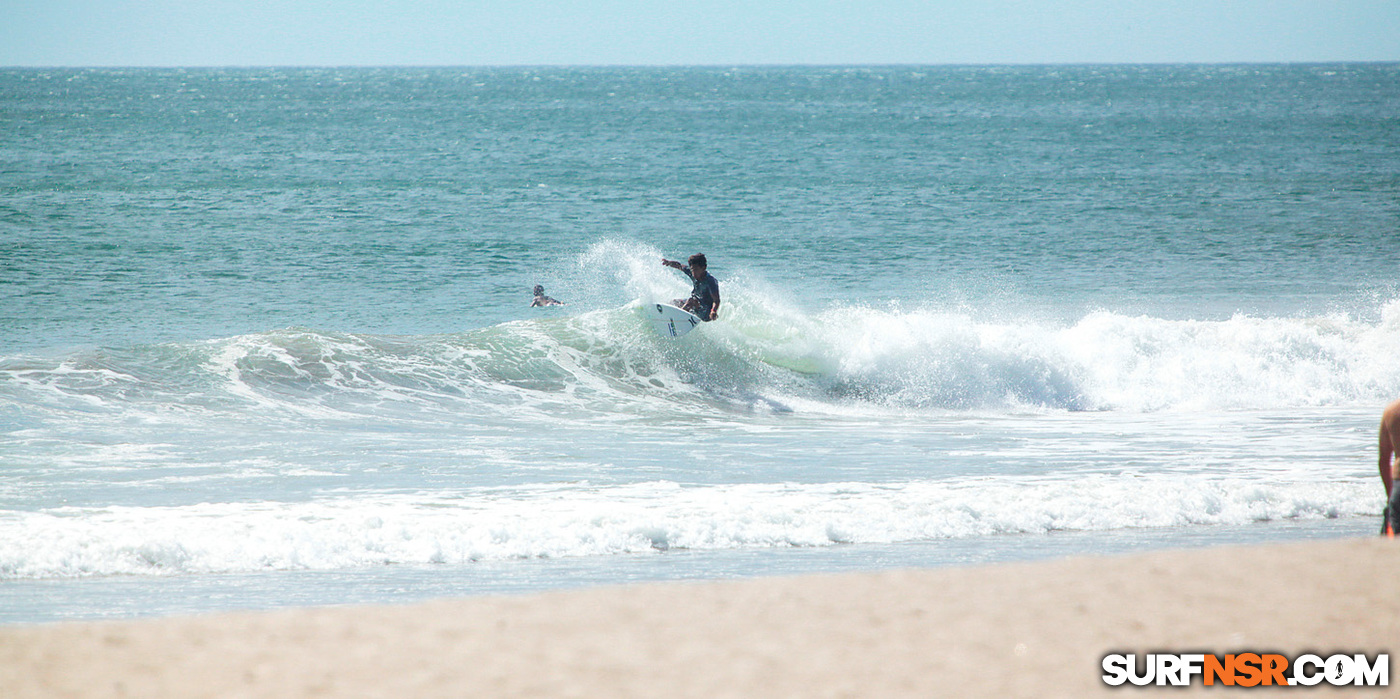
542,300
704,294
1390,467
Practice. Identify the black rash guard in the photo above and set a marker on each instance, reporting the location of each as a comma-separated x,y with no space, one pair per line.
705,292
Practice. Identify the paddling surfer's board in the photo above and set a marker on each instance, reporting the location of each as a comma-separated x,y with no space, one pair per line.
671,321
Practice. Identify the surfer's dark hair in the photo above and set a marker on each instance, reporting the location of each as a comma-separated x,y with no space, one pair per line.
698,259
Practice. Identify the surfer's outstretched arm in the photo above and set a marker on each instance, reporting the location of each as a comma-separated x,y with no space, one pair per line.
704,296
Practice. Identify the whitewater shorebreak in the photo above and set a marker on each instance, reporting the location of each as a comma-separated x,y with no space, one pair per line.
267,333
853,426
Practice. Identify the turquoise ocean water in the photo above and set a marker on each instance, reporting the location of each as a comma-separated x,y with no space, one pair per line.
265,335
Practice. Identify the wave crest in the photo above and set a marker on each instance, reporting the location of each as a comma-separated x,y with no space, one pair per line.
608,363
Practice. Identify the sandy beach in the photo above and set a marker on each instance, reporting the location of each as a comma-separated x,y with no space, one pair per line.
1032,629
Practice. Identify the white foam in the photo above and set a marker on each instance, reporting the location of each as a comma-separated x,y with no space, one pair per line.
1105,361
929,359
605,364
582,520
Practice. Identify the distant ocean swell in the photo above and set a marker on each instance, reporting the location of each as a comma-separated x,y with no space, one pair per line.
581,520
608,361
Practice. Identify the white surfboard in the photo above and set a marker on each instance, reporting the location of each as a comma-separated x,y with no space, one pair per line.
669,320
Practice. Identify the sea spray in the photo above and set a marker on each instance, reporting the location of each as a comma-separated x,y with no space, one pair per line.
600,363
271,320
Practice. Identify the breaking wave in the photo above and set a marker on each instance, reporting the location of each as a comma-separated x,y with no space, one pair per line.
607,363
580,520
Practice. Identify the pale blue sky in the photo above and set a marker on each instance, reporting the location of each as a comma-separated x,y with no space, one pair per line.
704,32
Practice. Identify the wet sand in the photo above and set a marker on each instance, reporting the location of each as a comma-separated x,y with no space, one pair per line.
1035,629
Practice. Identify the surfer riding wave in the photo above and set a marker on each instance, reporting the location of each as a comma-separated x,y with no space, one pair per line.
704,294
